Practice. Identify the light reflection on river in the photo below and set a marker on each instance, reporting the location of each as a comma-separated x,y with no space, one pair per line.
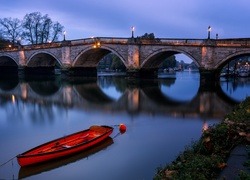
238,89
162,117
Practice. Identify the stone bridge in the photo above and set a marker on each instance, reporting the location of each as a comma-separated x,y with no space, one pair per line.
141,57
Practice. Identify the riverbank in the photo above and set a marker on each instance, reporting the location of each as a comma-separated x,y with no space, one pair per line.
209,157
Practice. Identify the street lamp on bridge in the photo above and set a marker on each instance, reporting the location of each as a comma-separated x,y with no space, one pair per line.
64,35
209,30
132,29
19,40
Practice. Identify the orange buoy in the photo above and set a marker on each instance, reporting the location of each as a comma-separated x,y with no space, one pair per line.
122,127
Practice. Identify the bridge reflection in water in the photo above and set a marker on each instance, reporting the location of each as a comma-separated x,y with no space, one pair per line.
159,123
144,97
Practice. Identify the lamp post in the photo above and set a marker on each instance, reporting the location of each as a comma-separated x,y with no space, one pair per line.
64,35
132,29
209,30
19,42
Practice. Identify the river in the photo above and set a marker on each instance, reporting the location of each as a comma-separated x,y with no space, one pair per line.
162,117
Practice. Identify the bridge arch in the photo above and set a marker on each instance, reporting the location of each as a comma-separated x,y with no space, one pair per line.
224,61
7,60
156,58
90,57
8,65
43,58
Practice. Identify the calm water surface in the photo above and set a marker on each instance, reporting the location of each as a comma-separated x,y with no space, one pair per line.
162,117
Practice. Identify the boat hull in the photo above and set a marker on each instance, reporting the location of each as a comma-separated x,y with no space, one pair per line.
28,171
64,146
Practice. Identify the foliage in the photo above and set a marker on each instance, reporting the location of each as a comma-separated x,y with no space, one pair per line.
244,176
35,28
170,62
206,157
117,63
148,37
111,62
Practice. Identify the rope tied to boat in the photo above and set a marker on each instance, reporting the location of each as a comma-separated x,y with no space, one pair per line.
7,161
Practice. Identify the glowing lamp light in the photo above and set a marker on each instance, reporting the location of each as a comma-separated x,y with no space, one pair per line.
132,29
209,28
13,98
64,35
122,127
96,45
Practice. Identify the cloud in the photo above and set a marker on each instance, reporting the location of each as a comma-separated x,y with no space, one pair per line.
164,18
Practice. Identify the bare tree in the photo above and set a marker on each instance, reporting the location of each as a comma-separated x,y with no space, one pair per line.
11,29
46,28
40,29
30,23
57,31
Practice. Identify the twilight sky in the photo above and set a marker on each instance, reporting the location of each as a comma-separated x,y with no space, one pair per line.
164,18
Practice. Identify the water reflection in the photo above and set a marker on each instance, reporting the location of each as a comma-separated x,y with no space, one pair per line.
183,88
8,84
177,108
92,94
45,88
166,96
113,87
236,88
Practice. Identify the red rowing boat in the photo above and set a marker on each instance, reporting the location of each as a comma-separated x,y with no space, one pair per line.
65,146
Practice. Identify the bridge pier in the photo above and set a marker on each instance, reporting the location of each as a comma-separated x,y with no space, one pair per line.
133,73
38,70
149,73
80,71
142,73
209,75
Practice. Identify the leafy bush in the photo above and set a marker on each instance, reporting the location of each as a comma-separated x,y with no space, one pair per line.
205,158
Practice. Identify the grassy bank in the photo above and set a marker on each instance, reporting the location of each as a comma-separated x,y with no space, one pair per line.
205,158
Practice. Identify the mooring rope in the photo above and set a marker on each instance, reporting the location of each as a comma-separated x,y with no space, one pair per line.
116,135
7,161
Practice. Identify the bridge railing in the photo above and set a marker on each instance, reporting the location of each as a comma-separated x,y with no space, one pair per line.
42,46
85,41
215,42
9,48
111,40
136,40
233,42
94,40
170,41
